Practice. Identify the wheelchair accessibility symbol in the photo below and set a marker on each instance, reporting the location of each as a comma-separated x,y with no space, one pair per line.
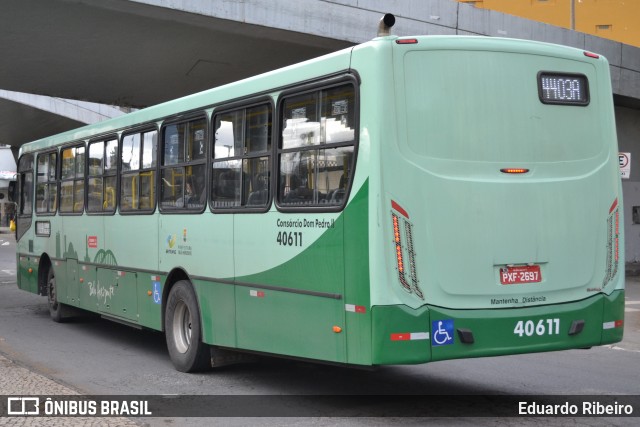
442,332
157,293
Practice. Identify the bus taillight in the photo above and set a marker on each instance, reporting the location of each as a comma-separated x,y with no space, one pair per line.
404,274
398,244
613,242
407,41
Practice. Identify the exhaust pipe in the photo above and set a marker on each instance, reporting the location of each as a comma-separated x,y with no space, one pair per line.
386,22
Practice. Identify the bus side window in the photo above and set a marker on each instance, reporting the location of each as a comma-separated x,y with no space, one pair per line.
46,185
138,160
102,176
182,182
72,180
241,161
25,170
317,147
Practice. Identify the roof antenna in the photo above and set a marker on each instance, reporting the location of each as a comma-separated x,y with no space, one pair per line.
386,22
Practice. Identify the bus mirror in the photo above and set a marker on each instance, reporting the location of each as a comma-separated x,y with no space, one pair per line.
12,191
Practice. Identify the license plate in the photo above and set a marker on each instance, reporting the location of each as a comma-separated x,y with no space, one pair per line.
520,274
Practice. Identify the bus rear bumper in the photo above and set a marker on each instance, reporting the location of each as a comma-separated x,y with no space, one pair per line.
406,336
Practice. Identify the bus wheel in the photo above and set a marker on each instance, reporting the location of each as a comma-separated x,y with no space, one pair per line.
57,310
184,331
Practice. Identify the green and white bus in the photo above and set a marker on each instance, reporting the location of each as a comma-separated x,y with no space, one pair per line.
406,200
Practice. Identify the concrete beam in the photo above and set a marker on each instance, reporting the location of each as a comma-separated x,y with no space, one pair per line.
27,117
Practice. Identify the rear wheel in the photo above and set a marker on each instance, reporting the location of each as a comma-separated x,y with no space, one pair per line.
184,331
57,310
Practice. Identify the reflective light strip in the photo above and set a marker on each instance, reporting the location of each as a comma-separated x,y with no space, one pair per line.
259,294
399,209
613,243
120,273
612,325
355,308
613,206
155,278
399,260
410,336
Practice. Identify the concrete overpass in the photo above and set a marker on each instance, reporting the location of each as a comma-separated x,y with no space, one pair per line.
135,53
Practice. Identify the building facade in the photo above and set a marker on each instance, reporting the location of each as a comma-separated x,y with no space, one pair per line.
617,20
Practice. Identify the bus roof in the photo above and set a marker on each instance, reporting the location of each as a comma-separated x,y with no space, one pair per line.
276,80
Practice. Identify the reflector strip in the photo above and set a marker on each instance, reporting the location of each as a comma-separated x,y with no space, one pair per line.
259,294
613,206
399,209
612,325
410,336
355,308
120,273
155,278
591,55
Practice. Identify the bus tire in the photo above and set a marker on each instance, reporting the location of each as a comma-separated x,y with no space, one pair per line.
183,330
57,310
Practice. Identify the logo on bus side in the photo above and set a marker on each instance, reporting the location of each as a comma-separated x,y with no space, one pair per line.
178,249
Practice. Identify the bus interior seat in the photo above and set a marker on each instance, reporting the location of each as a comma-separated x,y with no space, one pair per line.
260,195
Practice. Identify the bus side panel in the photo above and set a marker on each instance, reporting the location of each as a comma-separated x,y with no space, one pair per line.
289,323
357,293
296,307
88,281
27,281
613,317
129,243
69,289
400,335
218,312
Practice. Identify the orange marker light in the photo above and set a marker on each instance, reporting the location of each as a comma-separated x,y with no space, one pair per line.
514,170
30,270
149,293
337,329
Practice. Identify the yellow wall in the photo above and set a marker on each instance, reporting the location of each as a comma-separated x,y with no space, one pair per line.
617,20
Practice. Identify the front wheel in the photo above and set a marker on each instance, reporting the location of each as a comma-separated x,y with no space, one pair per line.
57,310
184,331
